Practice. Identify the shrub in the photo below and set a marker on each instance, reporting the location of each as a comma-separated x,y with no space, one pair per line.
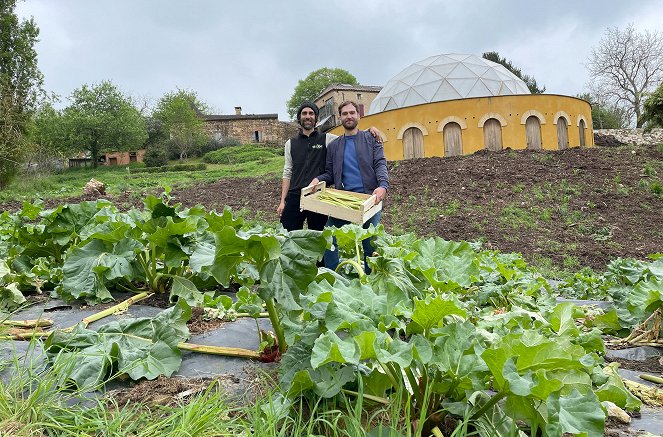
241,154
155,156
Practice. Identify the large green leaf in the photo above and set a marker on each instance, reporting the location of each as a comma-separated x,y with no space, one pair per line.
614,390
221,258
349,237
218,221
187,290
563,318
351,306
284,276
397,351
455,357
330,348
297,375
65,222
87,269
430,312
576,413
11,297
389,276
140,348
445,263
532,352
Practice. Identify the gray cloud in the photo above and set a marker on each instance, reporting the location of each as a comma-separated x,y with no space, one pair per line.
253,53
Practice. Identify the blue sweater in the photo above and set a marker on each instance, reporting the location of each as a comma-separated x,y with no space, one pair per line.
370,157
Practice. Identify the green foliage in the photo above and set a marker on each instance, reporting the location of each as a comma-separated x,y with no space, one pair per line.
175,167
155,156
438,321
20,85
101,119
653,113
10,296
181,113
48,135
240,154
308,88
529,80
606,116
140,348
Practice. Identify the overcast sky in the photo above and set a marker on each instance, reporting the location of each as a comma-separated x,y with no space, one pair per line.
252,53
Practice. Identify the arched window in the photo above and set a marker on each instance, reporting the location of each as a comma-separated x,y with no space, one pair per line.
413,143
533,132
492,134
453,140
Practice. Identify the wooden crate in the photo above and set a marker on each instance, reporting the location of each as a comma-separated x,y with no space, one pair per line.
309,201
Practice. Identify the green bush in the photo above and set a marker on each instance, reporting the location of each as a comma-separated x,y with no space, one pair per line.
174,167
214,144
155,156
241,154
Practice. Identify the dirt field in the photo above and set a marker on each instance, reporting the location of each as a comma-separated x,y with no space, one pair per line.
570,209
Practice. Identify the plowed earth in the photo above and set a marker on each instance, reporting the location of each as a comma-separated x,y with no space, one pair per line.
570,208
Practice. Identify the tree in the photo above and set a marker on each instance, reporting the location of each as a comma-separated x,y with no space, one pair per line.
181,115
653,113
626,65
605,115
20,85
529,80
100,119
309,87
47,135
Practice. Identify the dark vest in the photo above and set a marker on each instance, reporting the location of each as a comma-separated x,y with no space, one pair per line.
308,159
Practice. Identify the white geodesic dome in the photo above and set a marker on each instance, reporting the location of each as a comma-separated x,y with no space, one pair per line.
447,77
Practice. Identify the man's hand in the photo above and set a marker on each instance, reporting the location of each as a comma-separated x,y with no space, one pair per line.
315,183
379,193
280,208
377,134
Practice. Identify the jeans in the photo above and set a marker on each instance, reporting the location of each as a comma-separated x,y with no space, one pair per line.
331,257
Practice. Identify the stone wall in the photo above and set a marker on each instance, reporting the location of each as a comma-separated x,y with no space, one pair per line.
616,137
252,130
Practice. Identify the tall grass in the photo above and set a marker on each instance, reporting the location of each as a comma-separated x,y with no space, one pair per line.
37,401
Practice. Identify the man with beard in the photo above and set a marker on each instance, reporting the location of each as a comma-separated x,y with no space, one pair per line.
304,159
355,162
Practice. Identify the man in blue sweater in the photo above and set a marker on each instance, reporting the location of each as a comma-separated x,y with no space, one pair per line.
355,162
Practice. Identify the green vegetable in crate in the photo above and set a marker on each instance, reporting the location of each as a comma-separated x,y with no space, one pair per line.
340,199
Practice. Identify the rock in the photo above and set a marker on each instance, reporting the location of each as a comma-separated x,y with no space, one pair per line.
95,188
606,140
616,413
618,137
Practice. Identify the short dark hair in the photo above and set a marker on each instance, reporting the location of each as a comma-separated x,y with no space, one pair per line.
346,103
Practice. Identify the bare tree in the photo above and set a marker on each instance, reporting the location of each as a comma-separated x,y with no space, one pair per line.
626,66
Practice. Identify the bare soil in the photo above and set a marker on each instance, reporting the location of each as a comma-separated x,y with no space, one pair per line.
651,365
567,209
197,324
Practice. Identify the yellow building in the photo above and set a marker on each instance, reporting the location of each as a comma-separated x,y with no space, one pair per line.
452,105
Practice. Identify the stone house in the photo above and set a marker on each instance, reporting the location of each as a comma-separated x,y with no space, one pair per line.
250,128
109,158
335,94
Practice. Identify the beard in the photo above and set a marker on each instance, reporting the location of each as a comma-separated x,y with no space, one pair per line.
350,124
307,124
